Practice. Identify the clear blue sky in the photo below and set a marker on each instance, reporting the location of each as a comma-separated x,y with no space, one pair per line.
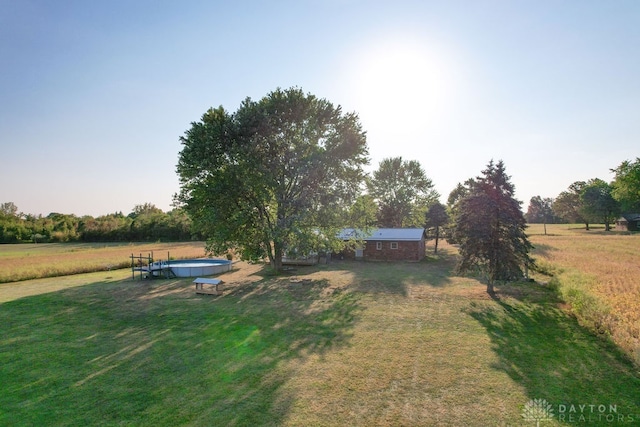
94,95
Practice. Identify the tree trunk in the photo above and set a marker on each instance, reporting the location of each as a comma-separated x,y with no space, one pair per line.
276,263
435,251
490,289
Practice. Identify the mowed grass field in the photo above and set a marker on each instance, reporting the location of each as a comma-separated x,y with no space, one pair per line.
348,343
32,261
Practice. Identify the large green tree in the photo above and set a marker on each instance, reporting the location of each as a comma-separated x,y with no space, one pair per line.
8,209
626,185
540,210
490,228
598,203
275,175
403,192
363,214
568,205
12,227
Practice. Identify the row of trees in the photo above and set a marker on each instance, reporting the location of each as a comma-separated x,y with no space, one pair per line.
592,201
145,223
287,172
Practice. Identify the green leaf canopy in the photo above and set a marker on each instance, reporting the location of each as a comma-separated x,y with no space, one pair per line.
598,203
273,176
403,192
626,185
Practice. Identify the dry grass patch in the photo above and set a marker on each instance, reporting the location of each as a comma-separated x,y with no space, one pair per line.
33,261
597,273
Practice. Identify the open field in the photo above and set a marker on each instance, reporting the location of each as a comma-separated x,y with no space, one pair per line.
32,261
347,343
598,274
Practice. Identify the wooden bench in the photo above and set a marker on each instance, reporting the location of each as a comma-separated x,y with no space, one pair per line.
213,286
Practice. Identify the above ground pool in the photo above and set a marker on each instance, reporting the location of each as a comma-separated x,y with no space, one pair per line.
193,267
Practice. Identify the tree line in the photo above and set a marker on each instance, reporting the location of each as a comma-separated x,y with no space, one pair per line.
284,173
145,223
397,194
592,201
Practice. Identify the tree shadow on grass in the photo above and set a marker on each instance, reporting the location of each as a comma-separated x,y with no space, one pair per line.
543,249
390,277
546,351
106,354
396,277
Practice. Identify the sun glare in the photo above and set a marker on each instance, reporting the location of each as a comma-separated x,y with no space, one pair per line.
401,87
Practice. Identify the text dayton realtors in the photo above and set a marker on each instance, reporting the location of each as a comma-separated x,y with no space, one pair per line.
591,413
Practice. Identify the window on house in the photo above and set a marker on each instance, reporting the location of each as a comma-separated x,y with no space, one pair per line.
379,246
394,245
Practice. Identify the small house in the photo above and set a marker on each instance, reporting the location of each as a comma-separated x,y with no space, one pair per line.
628,222
386,244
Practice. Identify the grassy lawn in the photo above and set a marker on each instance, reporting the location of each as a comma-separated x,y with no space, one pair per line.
32,261
347,343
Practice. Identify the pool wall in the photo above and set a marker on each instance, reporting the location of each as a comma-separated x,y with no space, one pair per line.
197,267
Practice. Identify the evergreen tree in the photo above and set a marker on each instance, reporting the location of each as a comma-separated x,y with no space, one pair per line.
436,218
490,228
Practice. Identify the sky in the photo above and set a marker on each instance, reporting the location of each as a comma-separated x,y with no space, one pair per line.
94,95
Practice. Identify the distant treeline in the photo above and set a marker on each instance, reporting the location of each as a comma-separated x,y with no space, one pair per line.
145,223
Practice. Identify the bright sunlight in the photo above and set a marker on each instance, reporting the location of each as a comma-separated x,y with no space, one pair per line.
403,81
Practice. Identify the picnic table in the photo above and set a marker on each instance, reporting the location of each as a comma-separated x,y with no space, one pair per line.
208,286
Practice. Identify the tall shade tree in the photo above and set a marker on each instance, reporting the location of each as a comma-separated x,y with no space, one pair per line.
403,192
12,227
436,218
568,204
490,228
273,176
8,209
598,203
363,213
626,186
145,209
540,211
